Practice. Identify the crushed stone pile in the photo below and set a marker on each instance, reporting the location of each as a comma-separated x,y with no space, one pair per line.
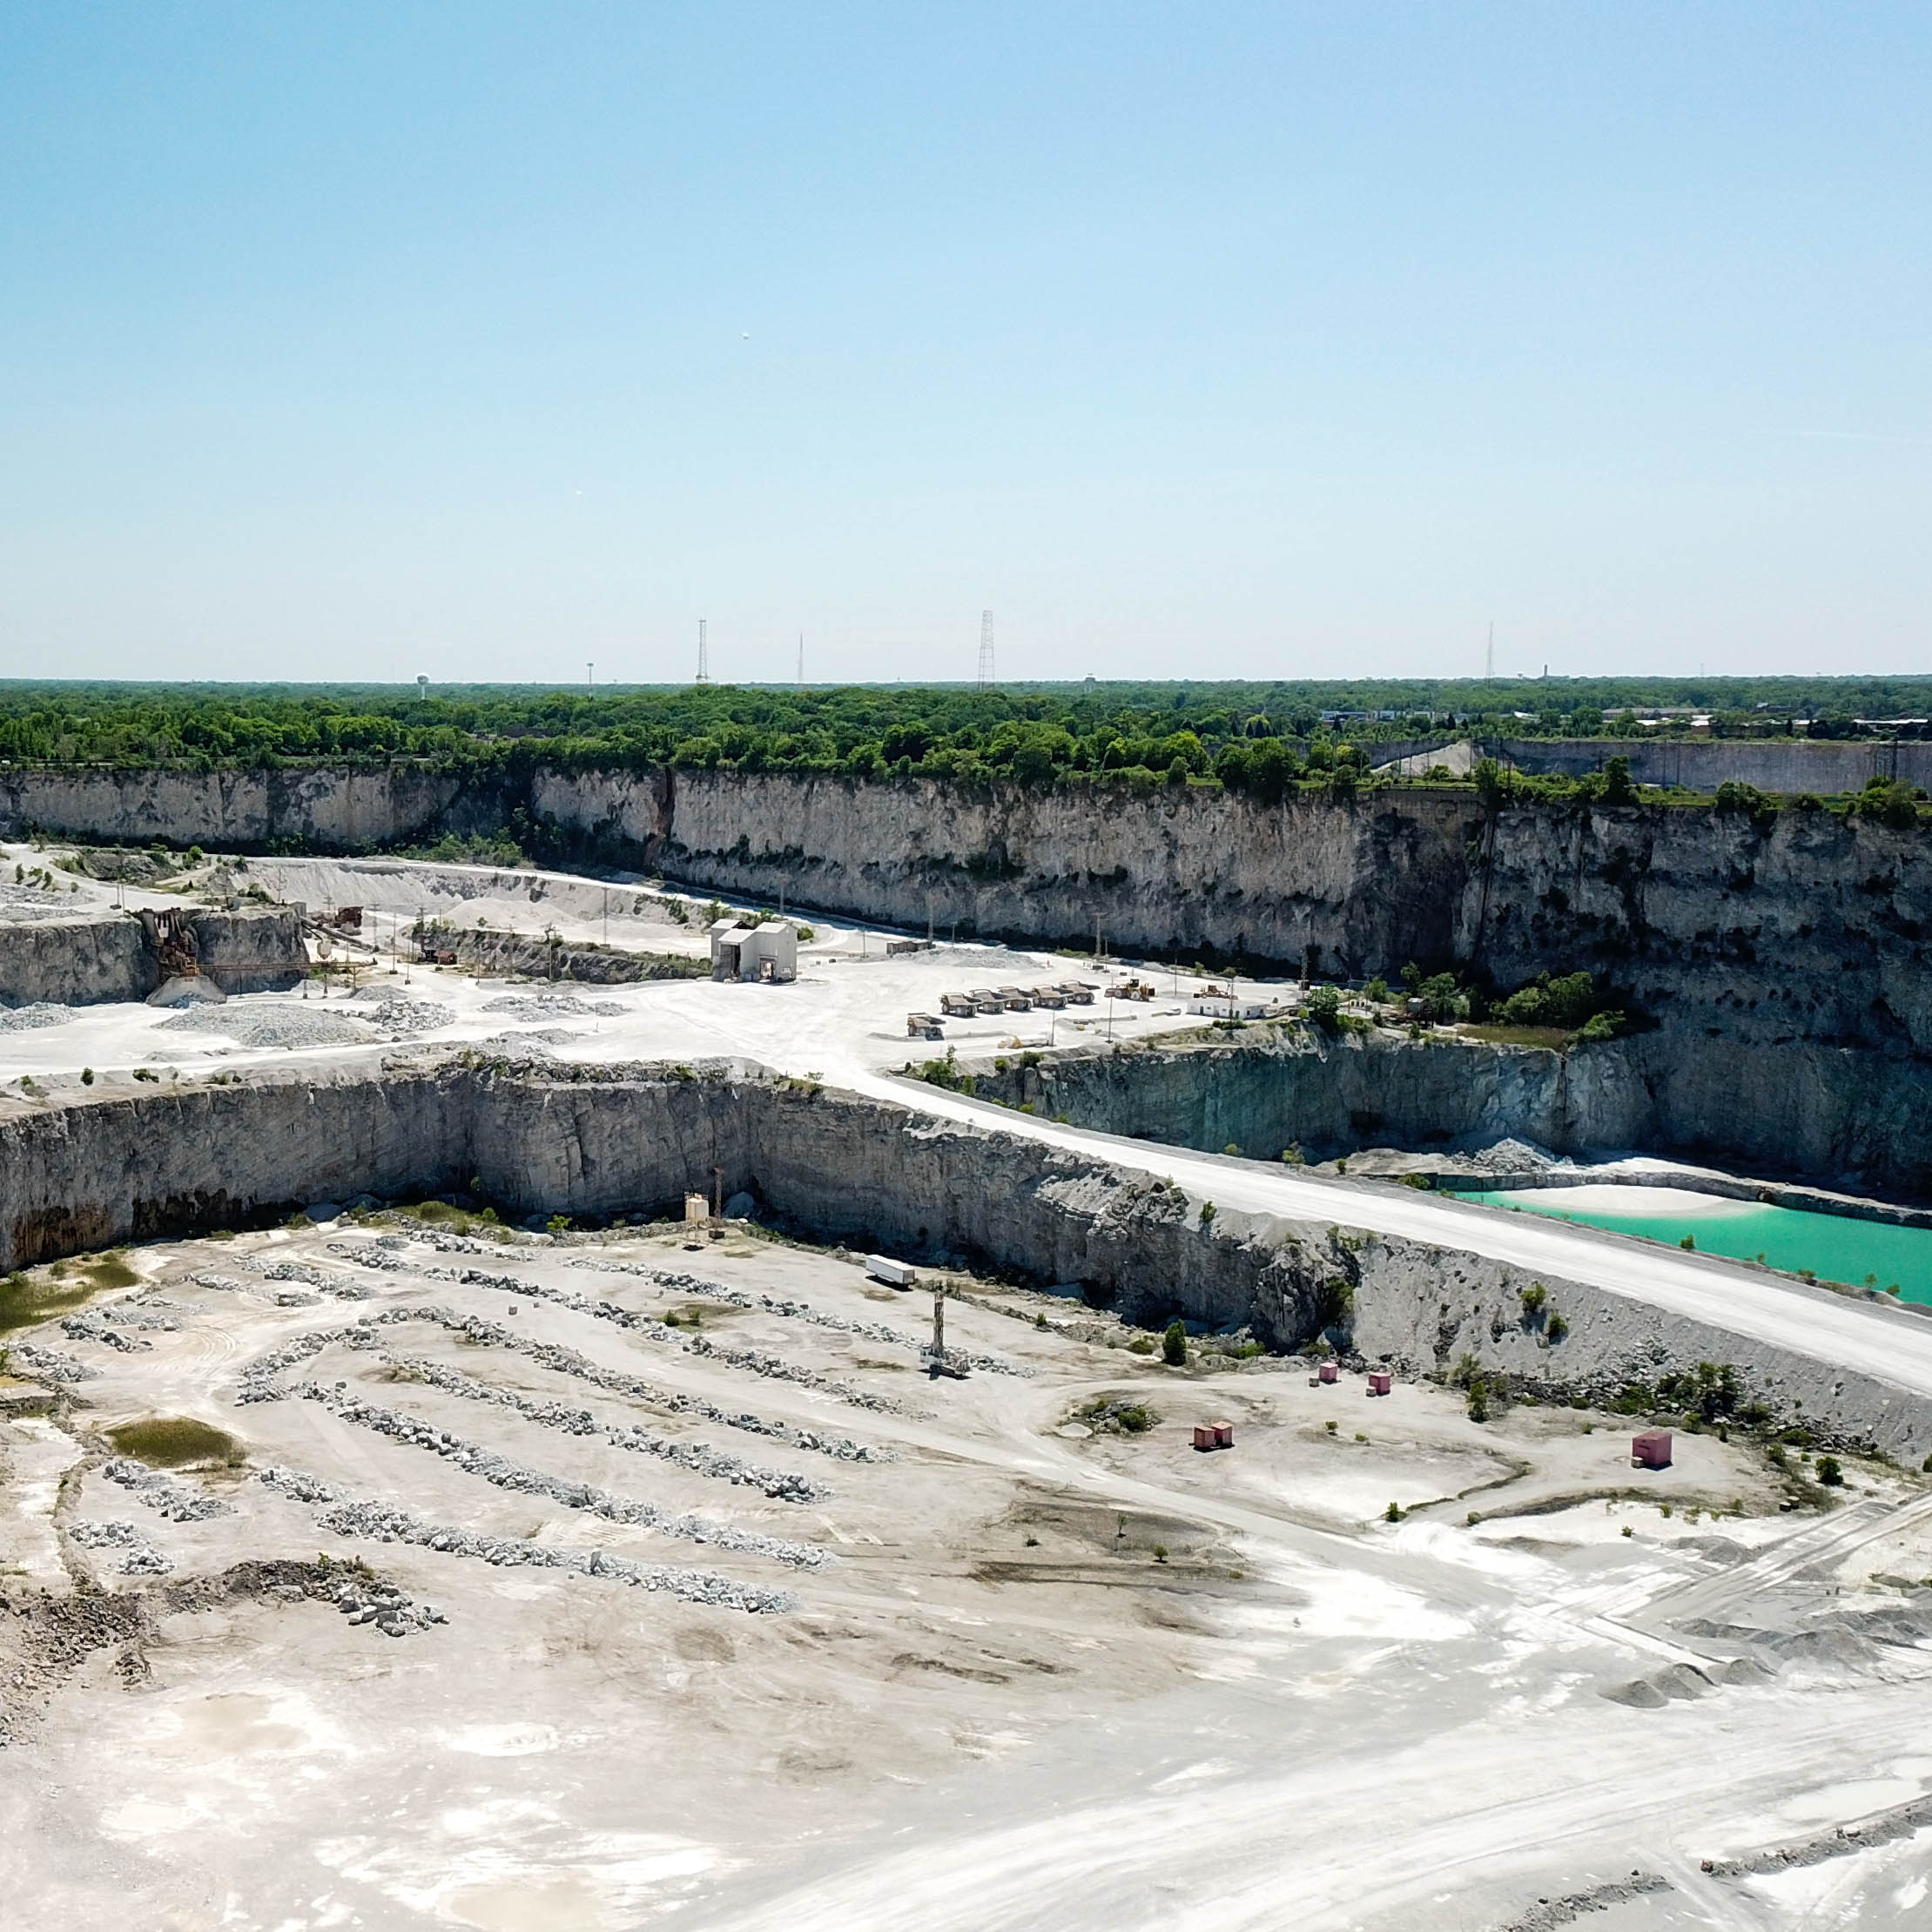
20,902
780,1485
91,1328
384,1607
552,1006
755,1360
396,1012
502,1473
288,1028
187,991
682,1283
259,1378
27,1019
534,1040
141,1559
128,1315
174,1500
342,1286
48,1364
1518,1157
349,1516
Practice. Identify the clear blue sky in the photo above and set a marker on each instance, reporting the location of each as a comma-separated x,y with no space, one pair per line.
351,341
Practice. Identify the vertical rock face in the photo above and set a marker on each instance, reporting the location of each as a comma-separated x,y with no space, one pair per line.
328,808
1178,870
84,961
1862,1119
593,1141
1810,928
74,962
255,950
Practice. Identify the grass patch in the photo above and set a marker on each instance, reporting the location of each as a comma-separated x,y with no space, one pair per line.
1499,1034
110,1271
178,1442
25,1302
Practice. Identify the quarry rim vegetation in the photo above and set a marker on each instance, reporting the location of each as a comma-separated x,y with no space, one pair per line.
1261,738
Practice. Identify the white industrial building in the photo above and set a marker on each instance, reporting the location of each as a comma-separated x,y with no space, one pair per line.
768,951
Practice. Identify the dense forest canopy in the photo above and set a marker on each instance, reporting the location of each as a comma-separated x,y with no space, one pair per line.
1252,736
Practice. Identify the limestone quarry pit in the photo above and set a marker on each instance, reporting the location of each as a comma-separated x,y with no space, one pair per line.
411,1520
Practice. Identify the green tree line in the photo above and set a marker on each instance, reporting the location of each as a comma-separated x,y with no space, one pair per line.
1257,737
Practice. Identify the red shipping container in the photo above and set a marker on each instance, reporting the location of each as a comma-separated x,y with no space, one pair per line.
1328,1371
1378,1382
1651,1449
1224,1435
1204,1436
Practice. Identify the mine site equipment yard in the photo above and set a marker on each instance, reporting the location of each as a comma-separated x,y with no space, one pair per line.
413,1518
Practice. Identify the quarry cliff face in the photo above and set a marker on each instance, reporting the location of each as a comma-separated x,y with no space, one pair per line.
597,1140
1812,929
96,958
1863,1120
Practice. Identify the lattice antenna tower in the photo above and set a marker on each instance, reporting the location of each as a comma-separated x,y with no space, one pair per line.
985,650
704,653
1489,656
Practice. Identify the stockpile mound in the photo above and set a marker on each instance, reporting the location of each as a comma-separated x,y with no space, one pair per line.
24,1020
277,1026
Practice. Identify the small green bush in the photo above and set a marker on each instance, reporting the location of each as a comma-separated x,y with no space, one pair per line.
1830,1472
175,1441
1174,1345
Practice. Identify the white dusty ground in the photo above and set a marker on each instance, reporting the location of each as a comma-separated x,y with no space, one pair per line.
1305,1715
1029,1678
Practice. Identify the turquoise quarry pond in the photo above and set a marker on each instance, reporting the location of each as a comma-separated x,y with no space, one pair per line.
1835,1247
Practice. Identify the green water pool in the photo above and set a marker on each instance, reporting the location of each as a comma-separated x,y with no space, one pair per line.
1835,1248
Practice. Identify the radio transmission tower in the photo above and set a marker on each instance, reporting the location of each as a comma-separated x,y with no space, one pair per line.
985,650
703,654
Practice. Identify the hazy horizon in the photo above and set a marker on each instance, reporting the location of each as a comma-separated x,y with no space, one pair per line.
1264,343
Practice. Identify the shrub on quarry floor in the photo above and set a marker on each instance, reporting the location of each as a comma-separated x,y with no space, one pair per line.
175,1441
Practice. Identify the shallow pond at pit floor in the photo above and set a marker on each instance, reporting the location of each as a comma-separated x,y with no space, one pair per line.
1835,1248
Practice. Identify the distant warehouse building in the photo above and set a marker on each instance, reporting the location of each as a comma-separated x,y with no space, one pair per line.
768,952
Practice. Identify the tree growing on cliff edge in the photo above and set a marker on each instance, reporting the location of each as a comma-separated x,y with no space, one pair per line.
1324,1006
